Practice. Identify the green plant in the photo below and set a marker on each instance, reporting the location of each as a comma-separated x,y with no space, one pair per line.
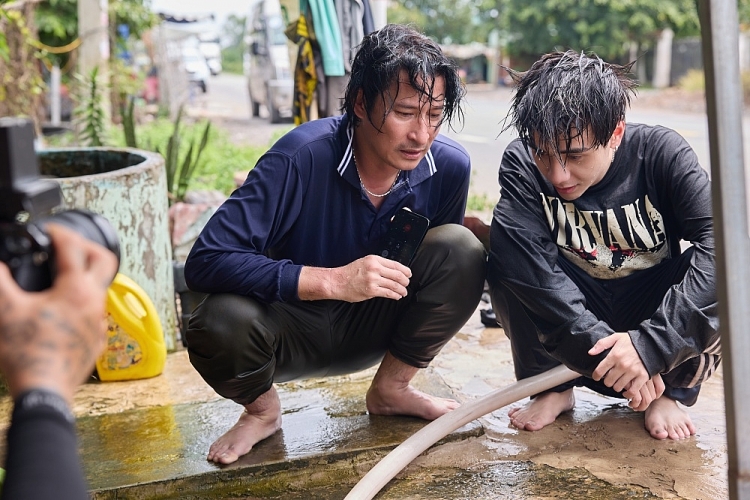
91,116
220,159
180,170
479,202
21,83
127,111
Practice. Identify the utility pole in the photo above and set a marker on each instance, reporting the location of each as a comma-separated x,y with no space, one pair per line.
93,24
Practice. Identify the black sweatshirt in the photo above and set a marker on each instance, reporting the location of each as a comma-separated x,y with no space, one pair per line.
653,195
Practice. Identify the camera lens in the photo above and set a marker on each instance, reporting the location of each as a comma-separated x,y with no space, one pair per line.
90,225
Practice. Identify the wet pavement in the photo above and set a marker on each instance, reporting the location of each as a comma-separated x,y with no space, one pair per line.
148,439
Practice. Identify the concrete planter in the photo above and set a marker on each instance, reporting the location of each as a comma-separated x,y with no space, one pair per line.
129,188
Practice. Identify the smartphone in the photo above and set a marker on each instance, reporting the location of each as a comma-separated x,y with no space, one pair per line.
407,230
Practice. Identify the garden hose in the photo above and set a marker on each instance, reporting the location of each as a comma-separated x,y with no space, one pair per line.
430,434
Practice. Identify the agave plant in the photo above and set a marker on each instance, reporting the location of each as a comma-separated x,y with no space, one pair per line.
91,116
181,170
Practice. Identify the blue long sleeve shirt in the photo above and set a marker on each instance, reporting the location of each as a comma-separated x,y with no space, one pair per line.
302,206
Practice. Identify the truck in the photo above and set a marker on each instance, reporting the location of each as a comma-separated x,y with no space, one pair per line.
267,60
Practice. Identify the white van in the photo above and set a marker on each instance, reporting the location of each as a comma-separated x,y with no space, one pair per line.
267,62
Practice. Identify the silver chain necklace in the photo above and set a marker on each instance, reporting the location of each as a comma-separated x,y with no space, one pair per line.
390,190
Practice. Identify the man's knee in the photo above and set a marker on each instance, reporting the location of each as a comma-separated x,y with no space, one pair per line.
226,336
219,320
454,259
457,246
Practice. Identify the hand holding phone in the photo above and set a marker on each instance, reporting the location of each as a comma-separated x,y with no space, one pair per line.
406,232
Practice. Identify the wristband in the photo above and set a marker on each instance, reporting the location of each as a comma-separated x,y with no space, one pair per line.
43,398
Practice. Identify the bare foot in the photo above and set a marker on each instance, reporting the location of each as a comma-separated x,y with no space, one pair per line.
665,419
542,410
407,400
261,419
391,394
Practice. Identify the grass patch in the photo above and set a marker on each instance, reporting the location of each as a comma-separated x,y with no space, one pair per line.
479,203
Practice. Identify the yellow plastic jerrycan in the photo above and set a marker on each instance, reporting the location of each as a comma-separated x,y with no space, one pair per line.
135,339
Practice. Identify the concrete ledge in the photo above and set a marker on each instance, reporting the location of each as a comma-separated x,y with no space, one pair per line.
327,439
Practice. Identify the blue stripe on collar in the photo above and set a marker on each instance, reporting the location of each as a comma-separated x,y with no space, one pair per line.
348,152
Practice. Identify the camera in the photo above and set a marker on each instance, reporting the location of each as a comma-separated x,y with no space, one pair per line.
28,205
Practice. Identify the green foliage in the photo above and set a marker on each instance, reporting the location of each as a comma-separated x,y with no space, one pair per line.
57,21
180,168
534,27
220,158
20,86
231,55
127,111
231,60
233,30
447,21
57,25
604,26
479,203
91,117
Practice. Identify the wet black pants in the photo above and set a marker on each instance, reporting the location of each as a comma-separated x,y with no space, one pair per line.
622,303
240,345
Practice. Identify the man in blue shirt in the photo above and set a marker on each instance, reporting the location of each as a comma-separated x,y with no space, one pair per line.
290,260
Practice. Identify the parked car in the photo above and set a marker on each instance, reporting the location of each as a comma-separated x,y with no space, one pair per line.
197,69
211,50
267,62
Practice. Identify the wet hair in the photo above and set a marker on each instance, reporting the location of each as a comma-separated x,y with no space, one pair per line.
382,56
566,94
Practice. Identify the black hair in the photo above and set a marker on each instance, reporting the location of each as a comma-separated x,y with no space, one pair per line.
568,90
382,56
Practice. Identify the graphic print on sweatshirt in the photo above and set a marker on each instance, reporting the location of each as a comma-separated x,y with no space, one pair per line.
609,243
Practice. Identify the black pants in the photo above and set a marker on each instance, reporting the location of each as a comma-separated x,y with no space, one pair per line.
622,303
240,345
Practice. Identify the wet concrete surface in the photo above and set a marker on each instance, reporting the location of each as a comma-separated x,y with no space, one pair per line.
148,439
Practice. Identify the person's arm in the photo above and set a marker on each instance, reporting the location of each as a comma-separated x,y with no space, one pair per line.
42,461
49,342
686,323
229,255
523,256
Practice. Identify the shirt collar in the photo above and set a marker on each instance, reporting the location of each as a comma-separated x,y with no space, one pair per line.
424,170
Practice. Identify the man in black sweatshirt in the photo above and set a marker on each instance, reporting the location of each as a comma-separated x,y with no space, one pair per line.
586,266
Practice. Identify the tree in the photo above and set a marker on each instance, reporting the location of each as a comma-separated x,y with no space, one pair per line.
446,21
607,27
234,43
57,21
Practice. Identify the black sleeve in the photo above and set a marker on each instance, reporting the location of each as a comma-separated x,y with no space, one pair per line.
686,325
42,461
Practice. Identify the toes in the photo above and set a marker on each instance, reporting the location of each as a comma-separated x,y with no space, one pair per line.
532,426
659,433
227,458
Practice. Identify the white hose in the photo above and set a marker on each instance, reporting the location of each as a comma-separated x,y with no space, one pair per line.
430,434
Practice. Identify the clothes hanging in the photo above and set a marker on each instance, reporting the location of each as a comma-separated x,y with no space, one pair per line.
305,77
328,34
